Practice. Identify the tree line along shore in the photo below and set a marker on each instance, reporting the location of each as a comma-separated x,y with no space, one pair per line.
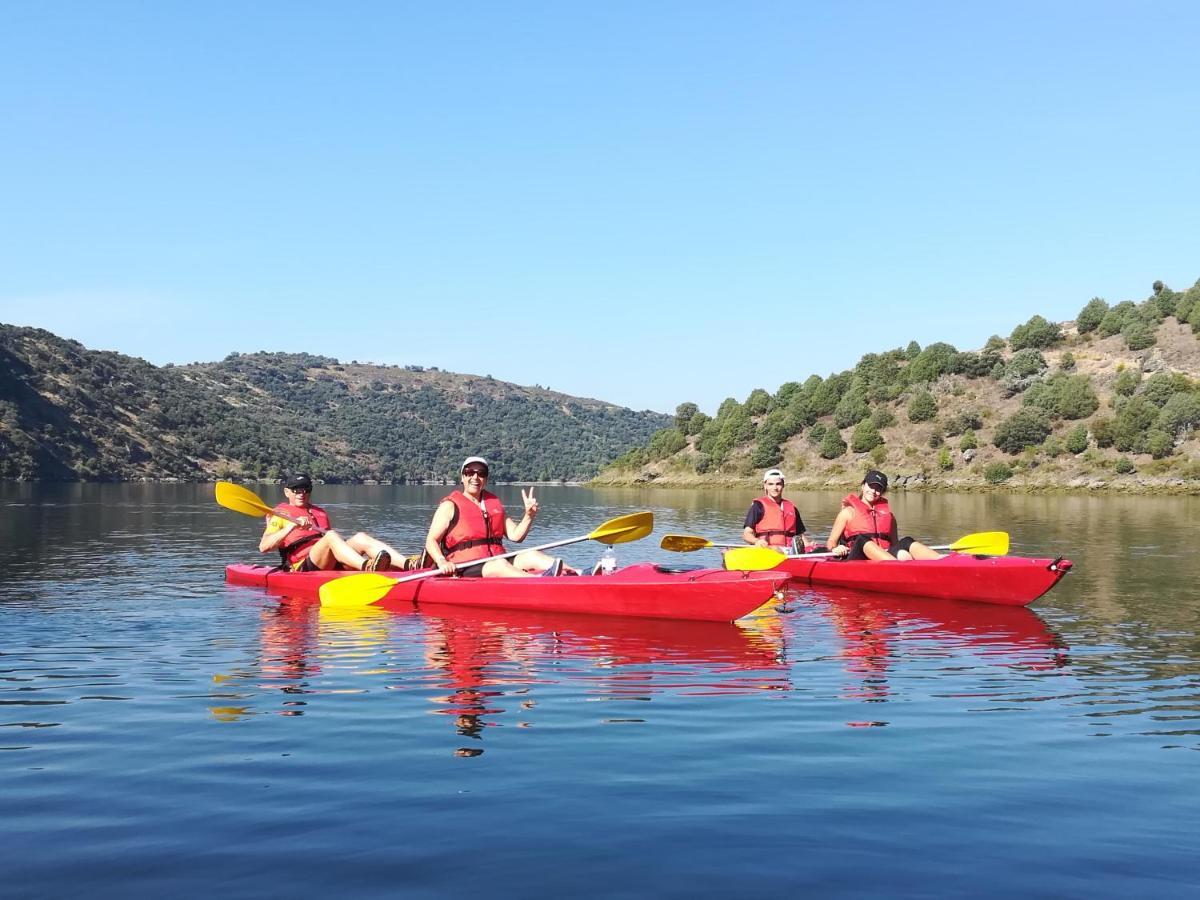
1109,401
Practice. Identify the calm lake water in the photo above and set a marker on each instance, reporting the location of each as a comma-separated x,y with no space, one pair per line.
163,734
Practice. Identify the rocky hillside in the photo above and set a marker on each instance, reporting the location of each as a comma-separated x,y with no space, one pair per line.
1111,400
70,413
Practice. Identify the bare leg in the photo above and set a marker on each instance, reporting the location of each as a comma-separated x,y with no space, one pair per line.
502,568
537,561
331,549
370,547
917,550
873,551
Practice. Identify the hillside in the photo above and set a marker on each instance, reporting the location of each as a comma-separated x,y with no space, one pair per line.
70,413
1109,401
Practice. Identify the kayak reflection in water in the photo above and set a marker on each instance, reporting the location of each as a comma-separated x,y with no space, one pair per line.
313,544
773,521
471,524
866,528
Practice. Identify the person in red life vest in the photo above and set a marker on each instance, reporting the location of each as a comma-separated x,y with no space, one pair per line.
312,544
471,524
866,528
773,521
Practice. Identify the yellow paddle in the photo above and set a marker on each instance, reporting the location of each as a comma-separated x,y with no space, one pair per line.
240,499
687,543
750,559
370,587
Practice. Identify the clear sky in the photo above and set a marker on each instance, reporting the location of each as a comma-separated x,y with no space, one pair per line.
642,202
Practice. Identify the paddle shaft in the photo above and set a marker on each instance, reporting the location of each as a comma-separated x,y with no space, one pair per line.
831,553
486,559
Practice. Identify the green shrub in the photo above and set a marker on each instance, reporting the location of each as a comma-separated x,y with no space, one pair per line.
1077,439
945,462
1064,396
879,455
1037,333
1052,447
936,438
995,344
1159,444
1102,432
1027,427
1179,414
865,437
766,454
816,434
756,403
1117,318
1126,382
883,417
832,445
1067,362
968,441
1138,335
997,473
1134,418
1124,466
964,420
931,362
1090,316
1162,386
922,407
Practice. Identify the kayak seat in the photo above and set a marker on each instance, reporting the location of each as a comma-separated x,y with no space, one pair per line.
676,570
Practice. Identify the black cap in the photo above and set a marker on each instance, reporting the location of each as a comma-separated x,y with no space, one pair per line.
299,480
876,479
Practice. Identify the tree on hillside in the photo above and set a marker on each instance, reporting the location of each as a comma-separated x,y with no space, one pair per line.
1091,315
832,445
1037,333
684,413
1027,427
866,437
922,407
931,362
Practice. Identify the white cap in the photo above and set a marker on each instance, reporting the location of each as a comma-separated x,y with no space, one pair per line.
473,459
773,473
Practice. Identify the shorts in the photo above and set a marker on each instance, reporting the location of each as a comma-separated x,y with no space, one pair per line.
856,546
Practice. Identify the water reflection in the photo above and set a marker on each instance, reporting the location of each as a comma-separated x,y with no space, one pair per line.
491,661
882,638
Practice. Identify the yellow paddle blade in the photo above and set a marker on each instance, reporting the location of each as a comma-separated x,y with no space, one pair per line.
362,589
752,559
239,499
685,543
983,543
623,529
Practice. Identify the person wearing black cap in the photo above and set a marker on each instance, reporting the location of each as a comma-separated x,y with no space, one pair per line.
866,528
312,544
773,521
471,524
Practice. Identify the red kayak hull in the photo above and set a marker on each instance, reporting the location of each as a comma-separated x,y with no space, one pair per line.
1003,580
644,590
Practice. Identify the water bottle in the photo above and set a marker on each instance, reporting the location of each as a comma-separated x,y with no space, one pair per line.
608,562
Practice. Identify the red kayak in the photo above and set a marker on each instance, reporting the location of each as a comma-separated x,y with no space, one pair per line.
644,590
1004,580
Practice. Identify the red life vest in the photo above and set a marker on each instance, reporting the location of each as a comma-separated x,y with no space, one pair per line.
778,524
474,532
295,546
876,522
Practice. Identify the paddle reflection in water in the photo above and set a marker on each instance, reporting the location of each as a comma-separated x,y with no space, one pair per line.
486,657
884,639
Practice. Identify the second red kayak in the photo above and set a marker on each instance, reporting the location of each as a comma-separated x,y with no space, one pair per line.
1004,580
642,590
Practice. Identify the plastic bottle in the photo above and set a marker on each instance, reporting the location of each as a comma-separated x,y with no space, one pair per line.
608,562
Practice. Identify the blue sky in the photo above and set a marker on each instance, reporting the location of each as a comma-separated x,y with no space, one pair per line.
647,203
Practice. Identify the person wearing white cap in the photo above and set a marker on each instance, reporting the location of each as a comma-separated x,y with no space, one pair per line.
471,524
773,521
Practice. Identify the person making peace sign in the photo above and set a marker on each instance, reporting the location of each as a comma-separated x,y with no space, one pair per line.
471,524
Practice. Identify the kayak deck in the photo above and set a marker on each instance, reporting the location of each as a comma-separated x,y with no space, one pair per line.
1003,580
644,590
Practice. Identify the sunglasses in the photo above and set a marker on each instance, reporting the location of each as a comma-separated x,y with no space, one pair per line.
482,473
300,490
